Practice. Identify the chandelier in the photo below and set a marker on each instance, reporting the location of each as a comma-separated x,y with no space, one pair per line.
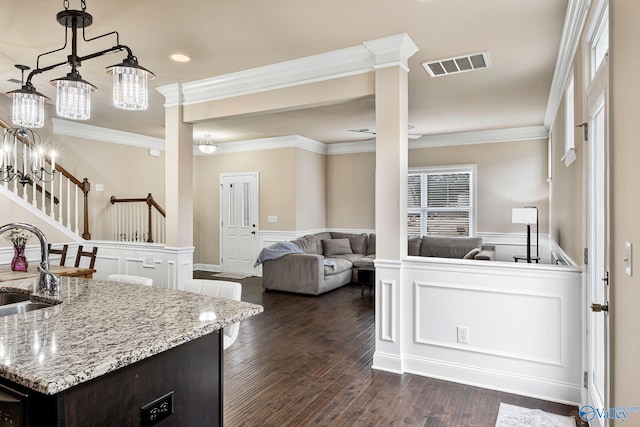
24,158
73,93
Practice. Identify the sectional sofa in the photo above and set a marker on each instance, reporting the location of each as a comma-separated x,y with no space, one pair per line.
326,261
329,260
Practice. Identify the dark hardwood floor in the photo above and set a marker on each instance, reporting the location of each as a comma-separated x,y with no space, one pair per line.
307,361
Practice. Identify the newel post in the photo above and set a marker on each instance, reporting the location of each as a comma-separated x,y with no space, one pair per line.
86,187
150,225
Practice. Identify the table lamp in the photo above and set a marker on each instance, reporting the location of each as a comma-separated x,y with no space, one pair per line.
527,215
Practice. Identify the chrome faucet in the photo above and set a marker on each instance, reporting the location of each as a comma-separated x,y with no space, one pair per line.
48,283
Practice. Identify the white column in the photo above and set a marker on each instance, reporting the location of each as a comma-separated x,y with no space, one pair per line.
391,86
178,188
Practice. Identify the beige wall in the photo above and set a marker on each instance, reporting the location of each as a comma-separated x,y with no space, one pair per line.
625,203
125,172
310,190
277,176
509,175
351,191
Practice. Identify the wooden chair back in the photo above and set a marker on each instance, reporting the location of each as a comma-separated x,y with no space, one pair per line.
62,252
90,254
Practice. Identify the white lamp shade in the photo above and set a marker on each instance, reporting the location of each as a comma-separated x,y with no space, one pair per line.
73,97
207,148
524,215
130,89
28,109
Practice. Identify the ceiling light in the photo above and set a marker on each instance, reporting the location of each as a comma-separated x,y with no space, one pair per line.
73,93
178,57
206,145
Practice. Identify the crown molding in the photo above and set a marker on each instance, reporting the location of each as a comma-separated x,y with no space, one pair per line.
480,137
368,146
263,144
172,94
97,133
574,23
391,51
365,58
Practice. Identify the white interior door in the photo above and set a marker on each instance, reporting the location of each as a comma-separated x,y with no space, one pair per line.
239,219
598,260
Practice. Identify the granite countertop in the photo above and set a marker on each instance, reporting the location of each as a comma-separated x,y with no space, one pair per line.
102,326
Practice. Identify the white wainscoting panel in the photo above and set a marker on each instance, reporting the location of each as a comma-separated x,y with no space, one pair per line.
524,325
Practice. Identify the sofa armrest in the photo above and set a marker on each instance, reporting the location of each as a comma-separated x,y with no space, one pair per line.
488,253
302,273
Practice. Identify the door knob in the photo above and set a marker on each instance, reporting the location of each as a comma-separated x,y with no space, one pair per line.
597,308
253,232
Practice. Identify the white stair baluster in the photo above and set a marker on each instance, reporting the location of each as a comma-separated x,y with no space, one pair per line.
68,204
60,199
77,200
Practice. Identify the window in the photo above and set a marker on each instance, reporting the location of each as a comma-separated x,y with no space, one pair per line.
569,137
441,201
599,45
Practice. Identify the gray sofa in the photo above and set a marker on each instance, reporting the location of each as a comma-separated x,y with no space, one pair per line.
331,259
451,247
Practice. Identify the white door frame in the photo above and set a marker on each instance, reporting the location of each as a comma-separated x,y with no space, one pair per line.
255,202
598,266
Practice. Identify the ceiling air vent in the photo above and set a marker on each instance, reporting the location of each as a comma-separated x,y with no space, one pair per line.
459,64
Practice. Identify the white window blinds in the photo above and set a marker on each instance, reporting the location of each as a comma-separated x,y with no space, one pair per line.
440,201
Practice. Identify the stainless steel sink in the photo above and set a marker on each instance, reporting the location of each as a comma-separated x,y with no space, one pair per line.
16,303
12,297
22,307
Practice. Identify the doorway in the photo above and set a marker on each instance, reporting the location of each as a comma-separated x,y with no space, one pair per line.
597,268
238,222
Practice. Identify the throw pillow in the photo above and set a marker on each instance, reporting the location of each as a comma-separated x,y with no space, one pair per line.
371,244
336,247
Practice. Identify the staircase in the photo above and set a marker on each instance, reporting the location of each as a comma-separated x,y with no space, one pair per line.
62,202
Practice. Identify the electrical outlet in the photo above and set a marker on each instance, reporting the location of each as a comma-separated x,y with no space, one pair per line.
463,334
154,412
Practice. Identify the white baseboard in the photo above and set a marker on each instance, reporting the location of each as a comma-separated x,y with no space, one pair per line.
387,362
495,380
207,267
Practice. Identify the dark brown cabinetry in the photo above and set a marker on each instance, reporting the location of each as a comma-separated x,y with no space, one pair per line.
179,387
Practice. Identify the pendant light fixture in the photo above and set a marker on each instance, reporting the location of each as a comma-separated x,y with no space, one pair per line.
206,145
24,158
73,93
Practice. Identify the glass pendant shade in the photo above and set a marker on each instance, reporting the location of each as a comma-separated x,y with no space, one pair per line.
206,145
130,88
207,148
28,108
73,97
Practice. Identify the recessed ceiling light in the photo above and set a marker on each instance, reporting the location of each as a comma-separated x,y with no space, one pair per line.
179,57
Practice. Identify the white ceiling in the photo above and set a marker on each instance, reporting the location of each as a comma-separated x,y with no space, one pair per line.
223,36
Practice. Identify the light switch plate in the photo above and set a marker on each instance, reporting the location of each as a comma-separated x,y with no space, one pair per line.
99,187
628,258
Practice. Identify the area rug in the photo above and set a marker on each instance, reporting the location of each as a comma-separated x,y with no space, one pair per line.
237,276
516,416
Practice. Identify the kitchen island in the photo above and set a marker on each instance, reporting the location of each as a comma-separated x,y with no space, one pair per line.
108,354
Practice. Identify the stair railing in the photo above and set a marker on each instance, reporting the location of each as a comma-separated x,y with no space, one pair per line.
138,219
59,199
